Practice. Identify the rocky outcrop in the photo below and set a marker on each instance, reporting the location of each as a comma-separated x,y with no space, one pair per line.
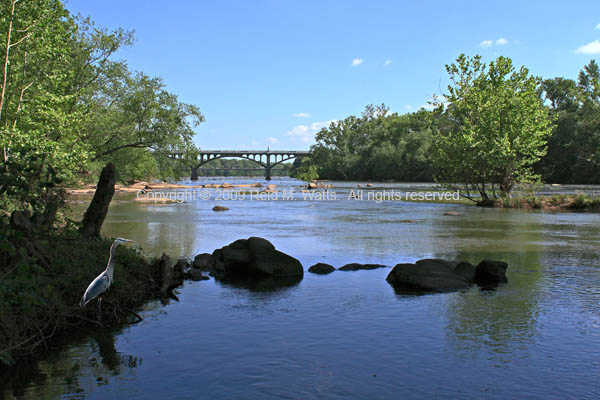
203,262
321,268
442,276
357,267
253,258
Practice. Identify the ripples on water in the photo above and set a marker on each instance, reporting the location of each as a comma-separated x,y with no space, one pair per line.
348,334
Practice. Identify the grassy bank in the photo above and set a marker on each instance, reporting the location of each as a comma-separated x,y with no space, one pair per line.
43,276
561,202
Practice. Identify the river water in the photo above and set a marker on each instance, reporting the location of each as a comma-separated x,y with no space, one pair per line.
347,335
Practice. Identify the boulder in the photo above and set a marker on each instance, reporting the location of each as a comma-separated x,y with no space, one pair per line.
490,272
203,262
356,266
321,268
466,270
196,275
253,257
220,208
429,275
441,275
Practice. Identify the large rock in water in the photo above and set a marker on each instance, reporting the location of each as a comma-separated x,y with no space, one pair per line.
253,257
443,276
203,262
429,275
490,272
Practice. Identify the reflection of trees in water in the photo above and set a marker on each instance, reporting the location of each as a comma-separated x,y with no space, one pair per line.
166,228
69,370
500,319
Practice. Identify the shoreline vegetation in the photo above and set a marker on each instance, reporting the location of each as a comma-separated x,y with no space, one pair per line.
525,200
44,277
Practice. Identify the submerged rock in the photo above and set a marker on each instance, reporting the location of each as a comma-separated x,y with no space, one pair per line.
321,268
357,267
220,208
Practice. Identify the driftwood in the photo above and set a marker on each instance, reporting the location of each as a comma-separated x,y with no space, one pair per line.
98,208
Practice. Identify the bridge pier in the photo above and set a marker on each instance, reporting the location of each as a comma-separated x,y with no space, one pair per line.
194,175
268,168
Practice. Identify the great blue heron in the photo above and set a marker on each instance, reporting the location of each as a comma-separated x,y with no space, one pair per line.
100,285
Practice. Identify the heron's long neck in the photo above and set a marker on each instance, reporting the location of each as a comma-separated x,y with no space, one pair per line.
110,268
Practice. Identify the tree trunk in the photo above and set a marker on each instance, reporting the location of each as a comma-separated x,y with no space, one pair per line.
98,208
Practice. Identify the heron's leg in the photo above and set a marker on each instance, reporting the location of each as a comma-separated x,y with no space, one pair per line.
99,308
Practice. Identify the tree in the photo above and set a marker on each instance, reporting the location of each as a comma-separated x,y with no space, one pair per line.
497,128
574,146
135,111
49,62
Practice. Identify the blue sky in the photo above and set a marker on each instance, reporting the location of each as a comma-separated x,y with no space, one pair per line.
271,73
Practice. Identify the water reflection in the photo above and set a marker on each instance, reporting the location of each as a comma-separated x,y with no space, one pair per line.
262,285
75,368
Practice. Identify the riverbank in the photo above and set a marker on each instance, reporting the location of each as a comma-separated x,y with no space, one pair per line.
142,186
44,274
562,202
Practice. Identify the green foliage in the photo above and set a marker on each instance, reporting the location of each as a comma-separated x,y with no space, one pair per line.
305,170
135,111
498,127
65,103
375,146
574,146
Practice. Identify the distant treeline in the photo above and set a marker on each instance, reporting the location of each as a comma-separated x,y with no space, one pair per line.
379,145
214,167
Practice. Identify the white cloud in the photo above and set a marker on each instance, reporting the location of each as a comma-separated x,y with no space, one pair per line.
501,41
598,27
387,62
408,107
590,48
272,140
306,133
357,61
486,43
301,115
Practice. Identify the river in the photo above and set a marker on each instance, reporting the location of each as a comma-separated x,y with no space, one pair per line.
347,335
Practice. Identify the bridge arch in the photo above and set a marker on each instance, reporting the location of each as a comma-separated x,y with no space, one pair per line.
265,158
